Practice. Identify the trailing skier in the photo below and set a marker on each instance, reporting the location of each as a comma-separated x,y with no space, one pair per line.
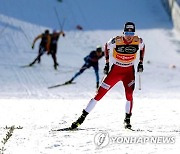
91,60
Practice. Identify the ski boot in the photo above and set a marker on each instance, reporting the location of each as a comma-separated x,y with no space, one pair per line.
127,124
80,120
69,82
31,64
55,66
39,60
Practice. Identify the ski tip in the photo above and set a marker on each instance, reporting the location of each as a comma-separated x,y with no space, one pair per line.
131,129
65,129
28,65
23,66
59,85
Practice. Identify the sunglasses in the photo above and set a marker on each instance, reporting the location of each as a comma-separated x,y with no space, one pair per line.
129,33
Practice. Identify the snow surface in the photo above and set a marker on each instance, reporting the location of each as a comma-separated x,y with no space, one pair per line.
26,101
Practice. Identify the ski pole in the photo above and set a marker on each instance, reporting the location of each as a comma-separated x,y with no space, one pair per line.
3,29
139,81
25,35
61,24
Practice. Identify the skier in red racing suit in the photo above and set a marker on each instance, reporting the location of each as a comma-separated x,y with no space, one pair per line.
124,49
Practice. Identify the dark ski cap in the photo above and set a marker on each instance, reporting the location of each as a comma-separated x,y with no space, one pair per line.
129,27
46,31
99,49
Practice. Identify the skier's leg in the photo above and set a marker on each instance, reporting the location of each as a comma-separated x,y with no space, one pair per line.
36,59
107,84
40,53
129,84
53,54
111,79
83,68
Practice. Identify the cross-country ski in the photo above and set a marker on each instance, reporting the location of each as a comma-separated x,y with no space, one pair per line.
62,84
24,66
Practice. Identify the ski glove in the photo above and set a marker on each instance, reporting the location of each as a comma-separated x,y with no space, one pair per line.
32,46
106,68
140,67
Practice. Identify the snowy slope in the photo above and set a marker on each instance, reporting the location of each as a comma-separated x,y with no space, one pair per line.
26,101
109,14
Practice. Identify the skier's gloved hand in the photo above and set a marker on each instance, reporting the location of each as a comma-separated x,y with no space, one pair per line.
63,34
140,67
33,46
106,68
86,59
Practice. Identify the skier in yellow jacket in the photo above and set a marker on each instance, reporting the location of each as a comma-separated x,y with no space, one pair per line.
44,46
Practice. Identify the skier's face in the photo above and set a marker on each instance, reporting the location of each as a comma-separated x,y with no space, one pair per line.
98,53
128,36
